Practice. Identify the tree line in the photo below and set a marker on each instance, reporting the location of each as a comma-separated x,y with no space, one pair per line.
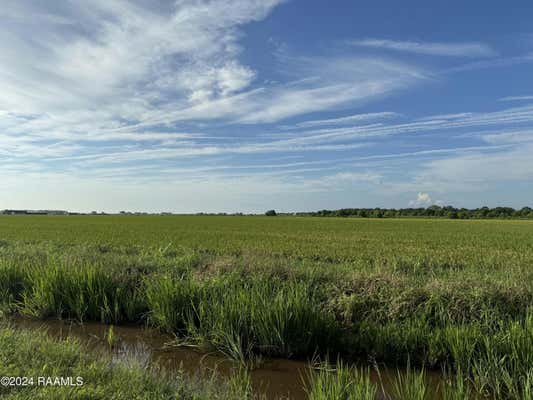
432,211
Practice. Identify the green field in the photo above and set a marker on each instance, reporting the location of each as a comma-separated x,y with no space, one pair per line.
448,295
328,239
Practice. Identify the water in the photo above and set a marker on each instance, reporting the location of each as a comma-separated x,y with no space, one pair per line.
273,378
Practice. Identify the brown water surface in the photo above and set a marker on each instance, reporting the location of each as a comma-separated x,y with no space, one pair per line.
274,378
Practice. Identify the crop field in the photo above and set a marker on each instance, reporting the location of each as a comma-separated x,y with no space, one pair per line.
421,295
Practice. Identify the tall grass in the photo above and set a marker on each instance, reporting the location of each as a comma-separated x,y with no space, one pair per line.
244,314
340,382
243,318
86,292
456,386
410,385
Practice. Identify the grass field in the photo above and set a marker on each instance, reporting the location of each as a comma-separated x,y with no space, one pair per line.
329,239
452,295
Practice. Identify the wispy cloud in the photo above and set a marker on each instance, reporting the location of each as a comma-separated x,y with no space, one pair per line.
491,63
466,49
516,98
478,169
348,120
338,82
122,77
508,136
120,63
509,116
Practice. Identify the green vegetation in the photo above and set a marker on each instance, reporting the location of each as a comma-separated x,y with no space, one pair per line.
341,383
455,296
34,354
411,386
434,211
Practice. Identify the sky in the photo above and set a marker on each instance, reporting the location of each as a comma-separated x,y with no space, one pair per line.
249,105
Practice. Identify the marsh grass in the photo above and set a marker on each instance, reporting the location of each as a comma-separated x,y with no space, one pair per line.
83,292
277,312
455,386
243,318
33,354
340,382
410,385
110,337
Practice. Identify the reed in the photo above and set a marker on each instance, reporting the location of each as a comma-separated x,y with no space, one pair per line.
243,318
340,382
410,385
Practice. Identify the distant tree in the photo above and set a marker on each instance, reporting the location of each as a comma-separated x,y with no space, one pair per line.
525,212
463,214
271,213
452,215
434,211
390,213
377,213
344,212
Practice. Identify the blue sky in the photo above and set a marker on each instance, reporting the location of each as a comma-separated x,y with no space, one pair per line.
247,105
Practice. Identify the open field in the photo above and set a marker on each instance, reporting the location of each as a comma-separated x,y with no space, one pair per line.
447,295
327,239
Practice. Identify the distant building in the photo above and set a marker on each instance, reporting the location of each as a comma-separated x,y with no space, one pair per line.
15,212
34,212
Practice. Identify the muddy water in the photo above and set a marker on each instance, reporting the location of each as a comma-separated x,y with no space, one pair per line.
275,379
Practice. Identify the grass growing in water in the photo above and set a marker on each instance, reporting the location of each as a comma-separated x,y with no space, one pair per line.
34,354
341,383
411,385
243,317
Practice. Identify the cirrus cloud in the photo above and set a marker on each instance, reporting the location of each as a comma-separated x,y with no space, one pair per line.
465,49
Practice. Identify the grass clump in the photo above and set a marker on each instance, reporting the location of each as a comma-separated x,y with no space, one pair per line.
340,382
243,318
411,385
83,292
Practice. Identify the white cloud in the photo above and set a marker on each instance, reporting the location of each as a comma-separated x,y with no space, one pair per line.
467,49
478,170
348,120
510,116
208,82
338,82
126,58
422,200
516,98
508,137
492,63
127,73
341,179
